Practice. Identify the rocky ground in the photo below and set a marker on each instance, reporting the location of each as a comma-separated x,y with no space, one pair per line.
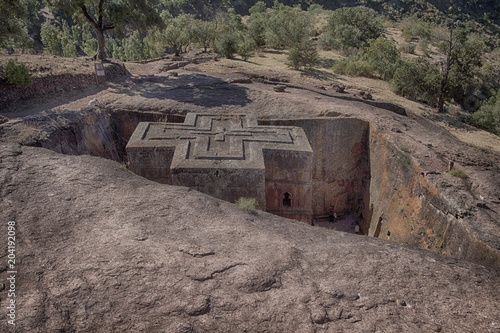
100,249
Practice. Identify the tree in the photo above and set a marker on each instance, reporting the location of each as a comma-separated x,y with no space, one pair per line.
303,55
463,60
383,55
488,116
245,47
204,33
418,81
13,29
104,15
257,24
68,41
50,38
178,33
354,26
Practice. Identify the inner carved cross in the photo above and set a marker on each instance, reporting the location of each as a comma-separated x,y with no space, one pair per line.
218,137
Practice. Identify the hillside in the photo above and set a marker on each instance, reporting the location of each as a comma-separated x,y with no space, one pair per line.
486,13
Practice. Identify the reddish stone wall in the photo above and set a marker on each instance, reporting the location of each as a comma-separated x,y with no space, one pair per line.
340,171
289,172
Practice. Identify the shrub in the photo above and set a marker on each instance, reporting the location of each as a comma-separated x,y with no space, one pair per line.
488,116
419,81
303,55
383,56
228,45
354,26
413,27
246,47
50,36
458,173
17,74
354,67
408,48
288,27
249,204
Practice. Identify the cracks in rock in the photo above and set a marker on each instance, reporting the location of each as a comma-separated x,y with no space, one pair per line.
197,252
205,277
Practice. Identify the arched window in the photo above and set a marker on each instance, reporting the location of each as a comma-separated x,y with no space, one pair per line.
287,200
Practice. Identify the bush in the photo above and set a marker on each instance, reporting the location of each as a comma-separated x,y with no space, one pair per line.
354,67
488,116
17,74
383,56
419,81
228,45
458,173
303,55
249,204
288,27
408,48
413,28
246,47
354,26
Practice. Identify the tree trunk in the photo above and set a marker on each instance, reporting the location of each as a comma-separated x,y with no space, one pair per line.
99,28
101,44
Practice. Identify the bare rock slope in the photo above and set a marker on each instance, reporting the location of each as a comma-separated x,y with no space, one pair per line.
103,250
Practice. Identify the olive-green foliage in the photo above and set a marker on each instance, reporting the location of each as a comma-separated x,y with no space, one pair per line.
417,80
116,48
408,48
232,22
466,55
228,44
50,38
458,173
258,7
303,55
117,15
204,33
257,26
13,22
17,74
353,27
288,27
354,67
178,33
488,116
246,47
89,43
68,40
292,28
413,28
133,47
249,204
383,55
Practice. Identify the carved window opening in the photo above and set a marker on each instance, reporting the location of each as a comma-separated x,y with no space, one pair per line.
287,199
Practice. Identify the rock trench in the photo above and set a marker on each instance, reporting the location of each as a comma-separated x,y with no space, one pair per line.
356,170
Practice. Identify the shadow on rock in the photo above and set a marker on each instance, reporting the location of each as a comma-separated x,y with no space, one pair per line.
196,89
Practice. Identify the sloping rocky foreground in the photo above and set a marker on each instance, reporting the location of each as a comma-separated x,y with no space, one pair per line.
100,249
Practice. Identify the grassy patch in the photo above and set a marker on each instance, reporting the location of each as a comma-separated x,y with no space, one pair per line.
248,204
458,173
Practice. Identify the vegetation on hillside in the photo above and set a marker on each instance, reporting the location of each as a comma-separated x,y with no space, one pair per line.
437,63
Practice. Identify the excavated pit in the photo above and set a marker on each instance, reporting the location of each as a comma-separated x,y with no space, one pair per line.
372,186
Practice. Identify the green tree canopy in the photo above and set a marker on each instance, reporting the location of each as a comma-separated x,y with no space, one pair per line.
354,26
13,23
105,15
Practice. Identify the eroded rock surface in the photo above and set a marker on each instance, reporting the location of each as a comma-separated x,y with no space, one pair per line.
103,250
